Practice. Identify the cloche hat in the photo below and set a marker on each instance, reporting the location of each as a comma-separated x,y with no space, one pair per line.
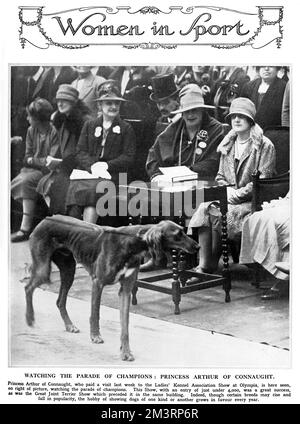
67,92
242,106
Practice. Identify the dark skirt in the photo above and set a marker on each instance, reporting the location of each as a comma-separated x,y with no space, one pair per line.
24,185
83,193
55,186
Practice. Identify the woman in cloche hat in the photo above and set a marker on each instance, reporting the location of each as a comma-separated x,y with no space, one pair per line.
106,148
68,120
243,150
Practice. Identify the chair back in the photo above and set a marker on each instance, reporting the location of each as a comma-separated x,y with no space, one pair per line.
267,189
280,137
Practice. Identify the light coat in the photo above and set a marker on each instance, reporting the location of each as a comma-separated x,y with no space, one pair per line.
258,155
89,91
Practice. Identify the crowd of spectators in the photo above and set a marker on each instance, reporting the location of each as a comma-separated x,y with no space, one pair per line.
136,119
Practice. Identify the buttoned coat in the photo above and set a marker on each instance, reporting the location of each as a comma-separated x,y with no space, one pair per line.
118,153
119,148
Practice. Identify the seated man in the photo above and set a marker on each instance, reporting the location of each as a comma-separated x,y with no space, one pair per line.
266,241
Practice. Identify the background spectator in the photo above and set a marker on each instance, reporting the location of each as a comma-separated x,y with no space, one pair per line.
266,92
88,84
285,114
227,88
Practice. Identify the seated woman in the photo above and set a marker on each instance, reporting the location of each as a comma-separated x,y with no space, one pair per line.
191,141
243,150
266,241
106,144
41,141
69,118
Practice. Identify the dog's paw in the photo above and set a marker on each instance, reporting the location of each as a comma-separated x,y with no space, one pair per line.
97,339
71,328
127,356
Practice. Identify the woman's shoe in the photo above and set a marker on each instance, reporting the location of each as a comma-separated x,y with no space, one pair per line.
21,235
278,291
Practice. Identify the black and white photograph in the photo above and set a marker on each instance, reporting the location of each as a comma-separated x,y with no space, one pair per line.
198,159
149,249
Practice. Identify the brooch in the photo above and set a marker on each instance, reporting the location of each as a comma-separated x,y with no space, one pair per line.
202,139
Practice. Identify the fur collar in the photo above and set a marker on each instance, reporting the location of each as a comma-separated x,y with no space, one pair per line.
256,136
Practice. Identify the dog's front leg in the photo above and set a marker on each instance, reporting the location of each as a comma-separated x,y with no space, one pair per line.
95,311
125,296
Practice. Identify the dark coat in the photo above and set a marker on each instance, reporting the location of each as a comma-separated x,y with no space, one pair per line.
269,112
119,149
140,77
56,183
165,151
69,128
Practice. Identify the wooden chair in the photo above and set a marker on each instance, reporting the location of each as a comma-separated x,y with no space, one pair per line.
267,189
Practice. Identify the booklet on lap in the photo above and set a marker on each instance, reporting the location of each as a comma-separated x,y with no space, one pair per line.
178,173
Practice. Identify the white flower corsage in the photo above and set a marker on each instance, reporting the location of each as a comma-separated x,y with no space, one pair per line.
116,129
98,131
202,139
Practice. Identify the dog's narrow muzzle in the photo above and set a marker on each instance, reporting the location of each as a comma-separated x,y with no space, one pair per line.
193,247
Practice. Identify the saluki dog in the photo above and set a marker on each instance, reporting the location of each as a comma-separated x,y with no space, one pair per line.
110,255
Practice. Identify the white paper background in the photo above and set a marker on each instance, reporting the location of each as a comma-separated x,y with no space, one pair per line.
11,53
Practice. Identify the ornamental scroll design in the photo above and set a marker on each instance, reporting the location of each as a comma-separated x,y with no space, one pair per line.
256,40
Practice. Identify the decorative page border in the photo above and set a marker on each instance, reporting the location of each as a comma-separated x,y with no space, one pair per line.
260,36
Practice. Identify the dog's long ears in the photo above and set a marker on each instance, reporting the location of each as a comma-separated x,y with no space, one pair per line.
153,239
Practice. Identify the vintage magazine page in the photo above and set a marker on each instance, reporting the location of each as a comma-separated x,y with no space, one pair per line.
133,133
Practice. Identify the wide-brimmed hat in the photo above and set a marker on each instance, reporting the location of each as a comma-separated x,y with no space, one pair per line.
242,106
163,87
67,92
191,97
109,90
